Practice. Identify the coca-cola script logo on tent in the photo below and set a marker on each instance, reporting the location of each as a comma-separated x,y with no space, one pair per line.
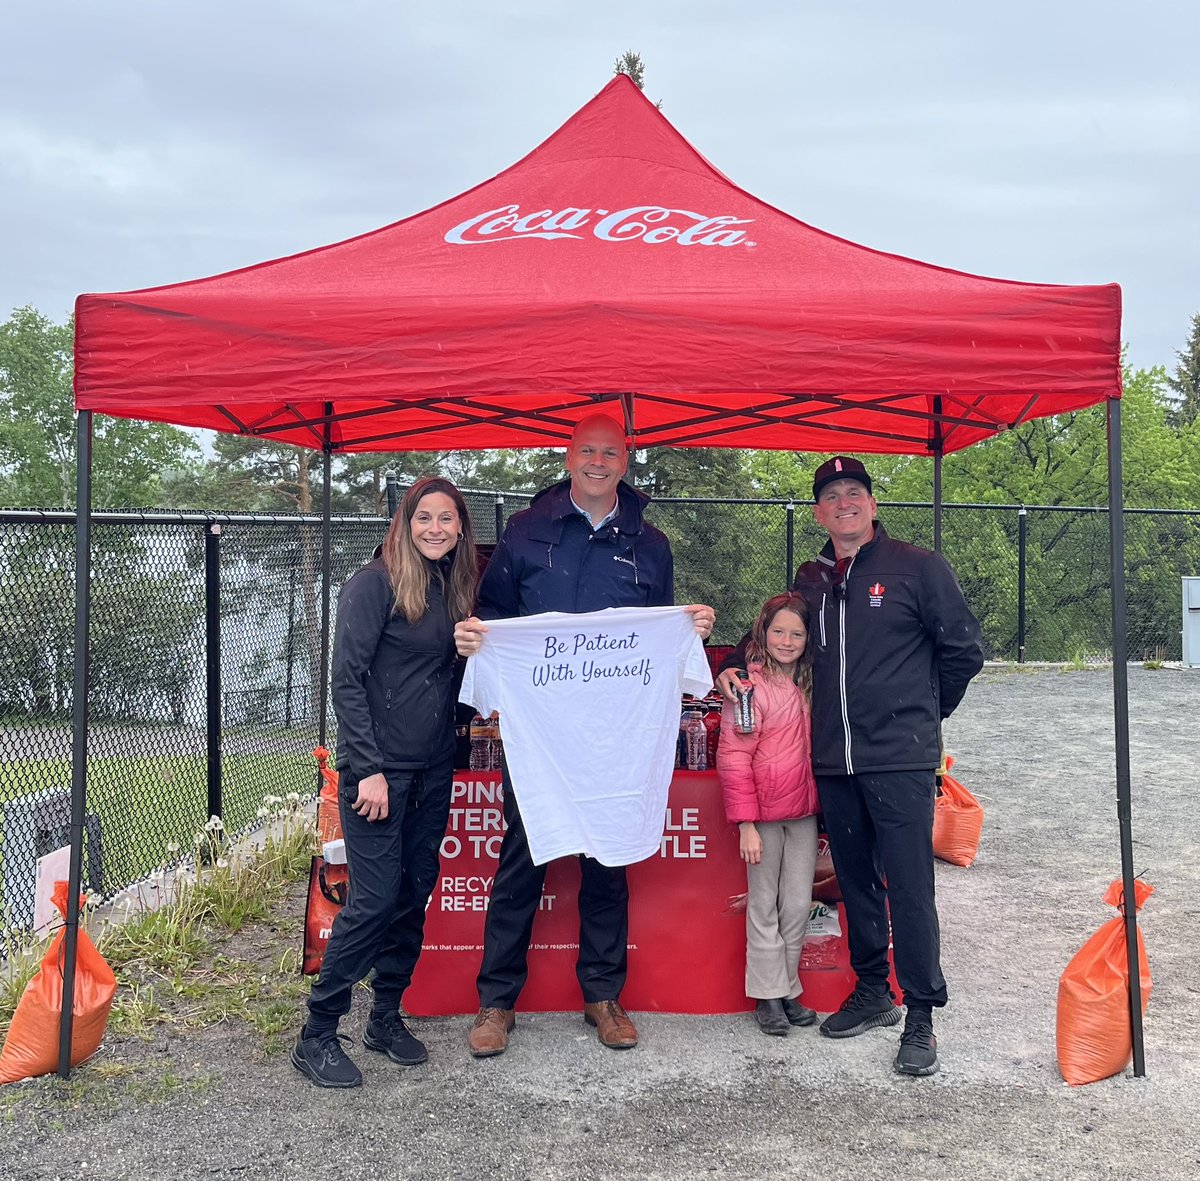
653,224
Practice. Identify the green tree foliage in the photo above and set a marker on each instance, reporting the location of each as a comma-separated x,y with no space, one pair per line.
146,622
631,63
1185,381
142,621
37,429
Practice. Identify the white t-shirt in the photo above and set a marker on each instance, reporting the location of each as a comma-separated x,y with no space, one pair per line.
589,711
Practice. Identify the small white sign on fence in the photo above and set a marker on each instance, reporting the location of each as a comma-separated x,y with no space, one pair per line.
53,867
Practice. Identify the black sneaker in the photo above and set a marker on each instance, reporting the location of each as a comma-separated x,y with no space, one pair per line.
324,1061
918,1046
861,1011
389,1035
796,1013
771,1018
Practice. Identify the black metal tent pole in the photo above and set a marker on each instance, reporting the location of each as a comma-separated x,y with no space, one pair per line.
1116,537
214,727
326,562
79,725
938,445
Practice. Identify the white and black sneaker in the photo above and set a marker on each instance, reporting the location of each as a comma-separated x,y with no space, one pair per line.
324,1061
918,1046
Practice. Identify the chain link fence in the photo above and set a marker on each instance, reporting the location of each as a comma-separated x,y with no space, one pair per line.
206,644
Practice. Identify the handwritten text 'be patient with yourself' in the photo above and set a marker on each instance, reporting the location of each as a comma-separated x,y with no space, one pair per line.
561,655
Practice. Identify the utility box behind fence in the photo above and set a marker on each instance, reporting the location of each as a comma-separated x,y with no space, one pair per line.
1191,622
34,825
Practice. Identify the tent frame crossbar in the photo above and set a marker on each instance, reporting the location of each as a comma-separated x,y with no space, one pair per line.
709,423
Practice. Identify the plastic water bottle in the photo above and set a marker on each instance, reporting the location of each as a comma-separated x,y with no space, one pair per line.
712,730
481,746
495,745
697,742
743,712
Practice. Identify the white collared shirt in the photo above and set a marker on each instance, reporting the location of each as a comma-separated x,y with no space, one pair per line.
612,512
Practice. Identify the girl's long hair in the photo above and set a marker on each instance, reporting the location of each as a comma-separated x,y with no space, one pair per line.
756,649
410,572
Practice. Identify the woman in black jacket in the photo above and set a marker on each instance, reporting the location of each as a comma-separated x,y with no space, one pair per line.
393,692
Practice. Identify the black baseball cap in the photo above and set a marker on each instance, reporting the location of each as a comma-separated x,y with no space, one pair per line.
840,467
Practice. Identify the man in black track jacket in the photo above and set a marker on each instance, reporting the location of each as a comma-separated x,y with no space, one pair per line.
894,647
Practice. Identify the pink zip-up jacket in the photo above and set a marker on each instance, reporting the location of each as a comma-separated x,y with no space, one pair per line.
767,775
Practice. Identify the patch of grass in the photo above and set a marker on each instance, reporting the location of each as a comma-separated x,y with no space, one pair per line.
180,949
135,1012
211,956
160,941
160,1087
1082,662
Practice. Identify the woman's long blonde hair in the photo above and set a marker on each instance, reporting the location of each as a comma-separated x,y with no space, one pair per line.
409,571
756,649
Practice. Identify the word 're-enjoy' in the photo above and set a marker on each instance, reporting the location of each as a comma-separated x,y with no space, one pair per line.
653,224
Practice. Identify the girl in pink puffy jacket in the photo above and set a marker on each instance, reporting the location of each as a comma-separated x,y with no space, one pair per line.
771,795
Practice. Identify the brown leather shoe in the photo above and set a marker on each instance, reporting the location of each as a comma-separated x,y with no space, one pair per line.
612,1024
489,1034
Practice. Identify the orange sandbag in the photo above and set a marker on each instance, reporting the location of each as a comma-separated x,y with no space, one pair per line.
957,823
31,1047
1095,1039
329,819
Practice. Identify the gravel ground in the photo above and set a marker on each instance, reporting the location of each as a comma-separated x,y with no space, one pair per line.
711,1096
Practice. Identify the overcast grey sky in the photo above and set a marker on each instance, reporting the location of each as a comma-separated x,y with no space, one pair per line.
154,141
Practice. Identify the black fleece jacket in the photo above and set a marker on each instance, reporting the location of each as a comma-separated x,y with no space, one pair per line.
893,654
393,682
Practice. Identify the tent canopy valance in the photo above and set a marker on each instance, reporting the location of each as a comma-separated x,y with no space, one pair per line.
613,264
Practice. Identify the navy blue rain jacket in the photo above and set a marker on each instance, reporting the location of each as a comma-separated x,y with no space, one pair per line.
550,559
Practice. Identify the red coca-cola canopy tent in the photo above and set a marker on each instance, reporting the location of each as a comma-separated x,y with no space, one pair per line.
611,263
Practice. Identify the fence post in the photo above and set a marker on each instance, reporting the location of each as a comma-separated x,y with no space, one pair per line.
289,683
499,515
212,661
790,555
1022,520
393,497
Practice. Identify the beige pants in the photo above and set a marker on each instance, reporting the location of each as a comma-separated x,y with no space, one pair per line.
778,901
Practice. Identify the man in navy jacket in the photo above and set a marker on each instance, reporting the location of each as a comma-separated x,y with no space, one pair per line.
894,647
582,545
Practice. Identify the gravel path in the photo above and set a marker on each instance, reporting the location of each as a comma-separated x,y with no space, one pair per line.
711,1096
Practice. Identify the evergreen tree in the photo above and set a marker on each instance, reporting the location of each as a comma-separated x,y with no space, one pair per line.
1185,382
631,63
